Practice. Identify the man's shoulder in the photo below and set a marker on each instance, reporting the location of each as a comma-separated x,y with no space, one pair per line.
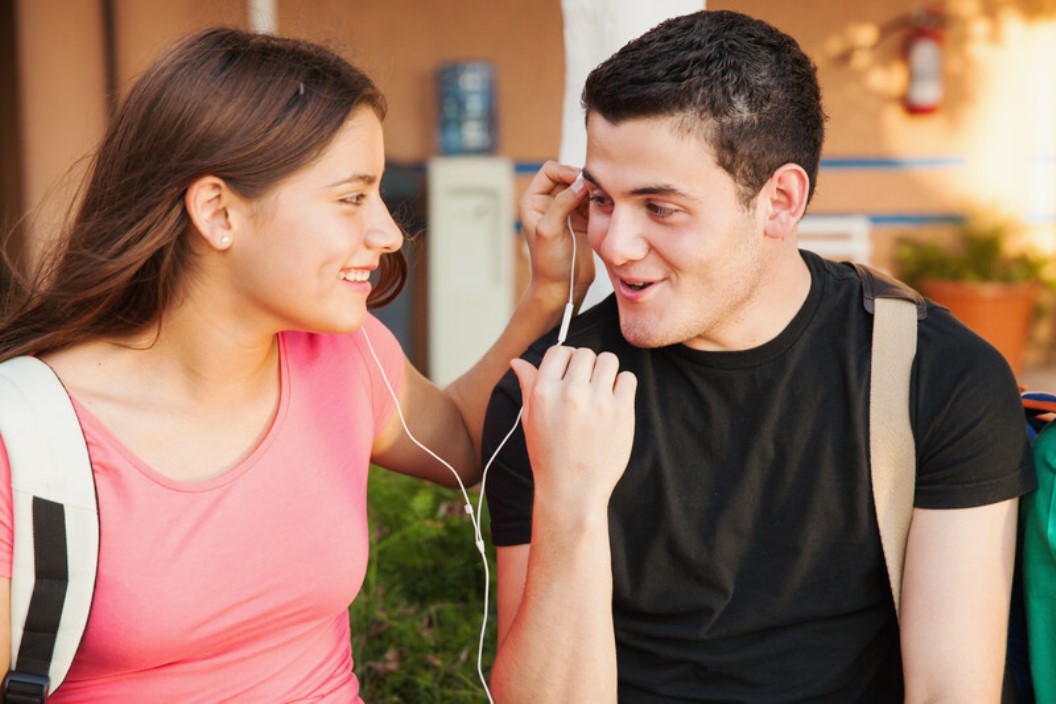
943,338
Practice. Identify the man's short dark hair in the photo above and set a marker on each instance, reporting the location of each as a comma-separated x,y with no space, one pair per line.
741,84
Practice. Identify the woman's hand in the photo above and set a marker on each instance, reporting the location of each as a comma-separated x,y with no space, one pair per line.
578,425
553,198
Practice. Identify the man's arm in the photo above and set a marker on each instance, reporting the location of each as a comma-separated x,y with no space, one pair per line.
556,641
955,595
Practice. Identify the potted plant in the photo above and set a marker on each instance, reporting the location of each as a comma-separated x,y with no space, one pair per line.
987,285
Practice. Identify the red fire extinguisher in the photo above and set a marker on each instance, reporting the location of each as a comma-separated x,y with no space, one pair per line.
924,54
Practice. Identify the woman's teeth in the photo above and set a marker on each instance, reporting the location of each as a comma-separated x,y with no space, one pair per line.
356,276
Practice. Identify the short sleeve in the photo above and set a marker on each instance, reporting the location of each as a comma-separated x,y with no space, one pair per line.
7,534
971,431
509,485
392,360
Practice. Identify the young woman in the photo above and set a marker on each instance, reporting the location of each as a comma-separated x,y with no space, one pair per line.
208,314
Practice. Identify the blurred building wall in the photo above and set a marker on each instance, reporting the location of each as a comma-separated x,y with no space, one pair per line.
991,143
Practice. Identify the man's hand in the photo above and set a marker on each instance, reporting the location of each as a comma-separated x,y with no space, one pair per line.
578,425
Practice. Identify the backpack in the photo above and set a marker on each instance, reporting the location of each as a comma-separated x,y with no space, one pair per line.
56,528
893,460
1040,410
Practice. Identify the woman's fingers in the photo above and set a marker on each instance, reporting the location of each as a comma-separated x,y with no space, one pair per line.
556,198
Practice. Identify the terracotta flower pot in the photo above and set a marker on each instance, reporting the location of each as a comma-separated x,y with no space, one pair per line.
1000,313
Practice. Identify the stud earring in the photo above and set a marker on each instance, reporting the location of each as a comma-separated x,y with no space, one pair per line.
225,240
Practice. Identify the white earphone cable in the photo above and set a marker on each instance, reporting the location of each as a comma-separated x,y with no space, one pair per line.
474,516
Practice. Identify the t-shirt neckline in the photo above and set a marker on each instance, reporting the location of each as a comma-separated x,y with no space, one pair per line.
773,348
105,435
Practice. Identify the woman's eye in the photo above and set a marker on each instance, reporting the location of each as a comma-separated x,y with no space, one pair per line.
600,201
354,200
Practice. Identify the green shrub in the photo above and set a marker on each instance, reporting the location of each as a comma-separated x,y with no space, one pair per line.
416,623
980,252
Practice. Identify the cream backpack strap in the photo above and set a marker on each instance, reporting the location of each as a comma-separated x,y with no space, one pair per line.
56,526
896,308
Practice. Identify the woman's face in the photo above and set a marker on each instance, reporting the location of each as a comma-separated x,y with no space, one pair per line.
313,240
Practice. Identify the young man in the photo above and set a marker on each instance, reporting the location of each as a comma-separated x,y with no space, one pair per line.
731,553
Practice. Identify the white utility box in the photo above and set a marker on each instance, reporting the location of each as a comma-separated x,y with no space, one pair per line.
470,250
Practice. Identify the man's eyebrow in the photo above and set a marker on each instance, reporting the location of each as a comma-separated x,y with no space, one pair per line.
365,179
660,189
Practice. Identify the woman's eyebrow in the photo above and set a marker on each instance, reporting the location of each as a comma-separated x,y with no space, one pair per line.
365,179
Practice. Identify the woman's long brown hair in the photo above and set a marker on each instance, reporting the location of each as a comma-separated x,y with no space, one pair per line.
248,108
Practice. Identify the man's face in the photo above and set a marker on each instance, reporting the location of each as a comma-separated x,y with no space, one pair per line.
684,255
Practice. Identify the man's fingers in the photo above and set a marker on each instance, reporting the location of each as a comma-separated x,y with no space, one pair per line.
525,373
625,388
581,366
605,369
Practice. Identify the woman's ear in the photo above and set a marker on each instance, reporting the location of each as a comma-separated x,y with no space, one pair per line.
787,192
209,202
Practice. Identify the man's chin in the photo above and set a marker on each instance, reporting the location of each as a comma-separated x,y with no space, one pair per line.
646,337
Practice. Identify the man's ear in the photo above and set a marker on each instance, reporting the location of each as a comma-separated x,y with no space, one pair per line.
209,203
786,194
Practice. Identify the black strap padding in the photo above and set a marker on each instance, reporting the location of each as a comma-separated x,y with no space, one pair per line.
876,284
49,589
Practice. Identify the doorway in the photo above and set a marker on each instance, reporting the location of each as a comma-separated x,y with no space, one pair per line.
11,206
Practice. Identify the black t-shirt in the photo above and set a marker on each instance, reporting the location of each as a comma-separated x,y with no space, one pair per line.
746,558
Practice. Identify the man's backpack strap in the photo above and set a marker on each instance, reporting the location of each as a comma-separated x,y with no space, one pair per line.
56,528
896,308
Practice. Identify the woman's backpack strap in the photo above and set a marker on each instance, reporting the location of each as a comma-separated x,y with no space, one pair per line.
56,527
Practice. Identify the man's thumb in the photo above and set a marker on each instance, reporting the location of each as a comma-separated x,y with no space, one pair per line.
526,373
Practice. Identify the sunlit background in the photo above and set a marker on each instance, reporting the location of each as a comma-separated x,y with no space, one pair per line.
980,138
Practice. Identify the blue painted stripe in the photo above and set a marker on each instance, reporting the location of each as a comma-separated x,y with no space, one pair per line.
892,163
835,163
522,168
849,163
907,219
903,219
881,220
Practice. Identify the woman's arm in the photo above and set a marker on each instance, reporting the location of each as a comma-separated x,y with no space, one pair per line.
450,421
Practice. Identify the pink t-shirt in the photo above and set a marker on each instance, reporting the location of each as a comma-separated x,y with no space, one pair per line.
237,588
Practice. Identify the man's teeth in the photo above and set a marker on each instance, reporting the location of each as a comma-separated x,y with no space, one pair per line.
356,276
